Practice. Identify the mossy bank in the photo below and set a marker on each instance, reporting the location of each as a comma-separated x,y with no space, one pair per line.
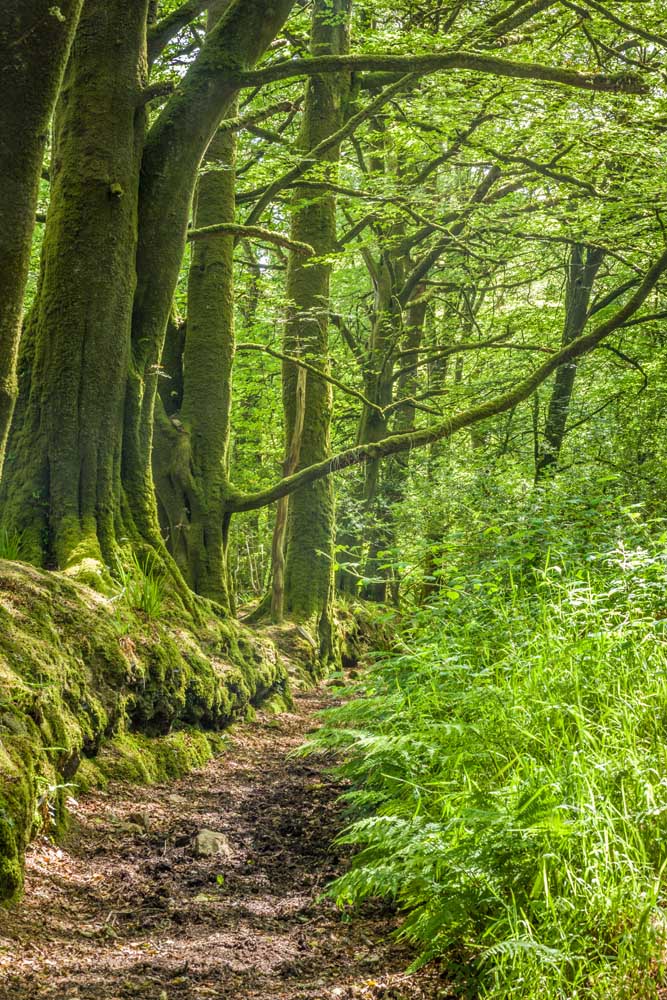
92,689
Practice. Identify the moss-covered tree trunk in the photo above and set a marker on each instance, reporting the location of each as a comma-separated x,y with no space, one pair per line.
308,584
80,476
190,459
582,267
406,381
62,485
35,38
175,147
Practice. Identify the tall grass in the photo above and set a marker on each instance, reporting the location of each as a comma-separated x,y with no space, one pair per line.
142,585
509,781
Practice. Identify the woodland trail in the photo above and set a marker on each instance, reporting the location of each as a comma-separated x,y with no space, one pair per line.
120,911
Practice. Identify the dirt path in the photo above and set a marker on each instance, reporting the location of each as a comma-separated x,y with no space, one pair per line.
131,912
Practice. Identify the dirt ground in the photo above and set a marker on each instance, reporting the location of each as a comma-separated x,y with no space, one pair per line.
125,909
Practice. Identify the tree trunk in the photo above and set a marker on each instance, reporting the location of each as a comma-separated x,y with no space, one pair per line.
379,388
190,456
62,485
582,268
174,150
73,489
35,39
309,555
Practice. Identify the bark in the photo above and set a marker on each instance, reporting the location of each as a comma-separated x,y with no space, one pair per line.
62,485
373,426
309,552
582,268
35,42
298,412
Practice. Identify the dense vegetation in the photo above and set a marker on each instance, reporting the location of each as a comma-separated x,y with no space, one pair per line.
309,301
507,761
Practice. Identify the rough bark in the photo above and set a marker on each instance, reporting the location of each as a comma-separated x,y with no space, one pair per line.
174,150
190,457
35,39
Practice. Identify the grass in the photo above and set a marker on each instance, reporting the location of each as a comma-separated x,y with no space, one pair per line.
11,544
509,781
142,584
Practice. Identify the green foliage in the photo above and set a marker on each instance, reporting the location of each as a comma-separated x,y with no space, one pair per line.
507,764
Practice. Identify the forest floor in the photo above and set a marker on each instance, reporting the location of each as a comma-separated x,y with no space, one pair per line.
125,907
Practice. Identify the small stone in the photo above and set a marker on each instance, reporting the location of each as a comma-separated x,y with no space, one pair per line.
209,843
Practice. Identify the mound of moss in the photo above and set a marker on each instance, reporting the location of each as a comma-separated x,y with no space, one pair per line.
87,686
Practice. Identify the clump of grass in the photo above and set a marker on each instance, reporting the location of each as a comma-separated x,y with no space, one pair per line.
509,770
11,544
142,584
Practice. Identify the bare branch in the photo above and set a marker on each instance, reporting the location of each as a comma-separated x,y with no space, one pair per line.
247,232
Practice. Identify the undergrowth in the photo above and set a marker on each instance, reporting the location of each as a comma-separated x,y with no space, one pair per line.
142,585
508,762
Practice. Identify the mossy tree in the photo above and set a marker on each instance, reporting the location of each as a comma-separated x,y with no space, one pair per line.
35,37
309,541
79,480
191,454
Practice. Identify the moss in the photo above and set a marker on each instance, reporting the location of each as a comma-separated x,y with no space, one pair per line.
11,875
146,760
80,684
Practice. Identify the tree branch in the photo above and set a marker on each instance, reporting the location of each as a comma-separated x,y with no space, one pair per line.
398,443
436,62
633,28
245,232
314,154
294,360
162,33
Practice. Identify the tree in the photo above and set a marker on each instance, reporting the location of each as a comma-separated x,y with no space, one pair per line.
35,37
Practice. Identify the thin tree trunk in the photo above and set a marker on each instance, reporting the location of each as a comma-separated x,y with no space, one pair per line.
191,447
309,554
582,267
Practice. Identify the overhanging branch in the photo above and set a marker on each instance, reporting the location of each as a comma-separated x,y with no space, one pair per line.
437,62
163,32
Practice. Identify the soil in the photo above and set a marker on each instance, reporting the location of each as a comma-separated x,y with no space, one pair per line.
123,908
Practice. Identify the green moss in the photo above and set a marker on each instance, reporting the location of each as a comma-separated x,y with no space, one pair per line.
75,686
11,875
147,760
